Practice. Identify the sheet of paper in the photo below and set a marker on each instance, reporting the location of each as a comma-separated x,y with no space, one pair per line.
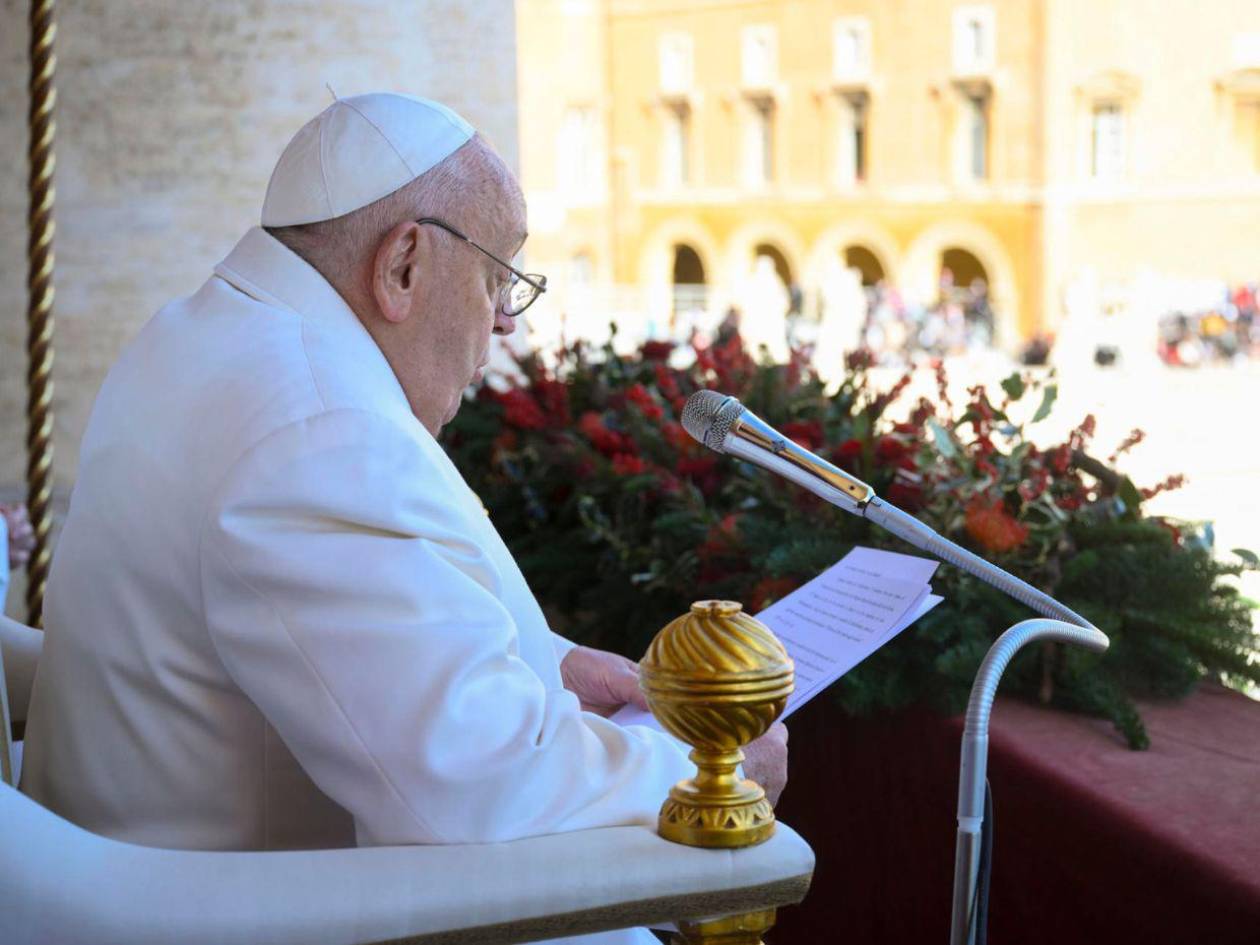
835,621
844,659
873,562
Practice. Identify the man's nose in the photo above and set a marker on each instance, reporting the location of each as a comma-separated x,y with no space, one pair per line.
504,324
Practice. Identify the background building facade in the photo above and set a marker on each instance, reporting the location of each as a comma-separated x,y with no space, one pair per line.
1062,152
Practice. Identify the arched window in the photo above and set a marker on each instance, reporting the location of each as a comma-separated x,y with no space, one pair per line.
865,262
690,296
965,283
784,271
781,265
688,269
964,268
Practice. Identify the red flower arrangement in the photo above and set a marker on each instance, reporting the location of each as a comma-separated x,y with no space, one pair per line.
620,519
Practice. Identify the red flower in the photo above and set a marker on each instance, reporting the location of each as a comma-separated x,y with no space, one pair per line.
859,359
808,433
702,470
553,396
608,442
638,395
847,454
1060,458
720,554
1130,441
665,382
992,527
894,451
626,464
1172,482
906,491
921,413
1032,488
676,436
767,591
521,410
656,350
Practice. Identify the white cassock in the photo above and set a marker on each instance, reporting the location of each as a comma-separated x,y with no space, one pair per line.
278,618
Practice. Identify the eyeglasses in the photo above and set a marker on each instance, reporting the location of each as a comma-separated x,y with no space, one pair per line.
521,289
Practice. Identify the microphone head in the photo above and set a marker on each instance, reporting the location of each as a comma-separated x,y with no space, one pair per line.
708,416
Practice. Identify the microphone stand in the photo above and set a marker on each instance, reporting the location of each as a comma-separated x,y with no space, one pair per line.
973,764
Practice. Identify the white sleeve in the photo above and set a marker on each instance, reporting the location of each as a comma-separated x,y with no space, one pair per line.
351,602
562,646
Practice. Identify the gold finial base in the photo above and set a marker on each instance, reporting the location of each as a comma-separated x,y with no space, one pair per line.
714,809
745,929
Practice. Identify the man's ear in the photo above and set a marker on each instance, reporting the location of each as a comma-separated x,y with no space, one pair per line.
396,271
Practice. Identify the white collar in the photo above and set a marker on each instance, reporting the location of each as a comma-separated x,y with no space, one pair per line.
265,269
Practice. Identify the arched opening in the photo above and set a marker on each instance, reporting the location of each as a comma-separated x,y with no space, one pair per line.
963,268
784,271
865,262
781,265
688,268
690,295
965,282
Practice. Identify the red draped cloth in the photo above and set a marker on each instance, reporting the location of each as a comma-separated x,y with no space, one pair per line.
1094,843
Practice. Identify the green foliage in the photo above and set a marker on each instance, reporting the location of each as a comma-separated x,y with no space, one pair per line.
619,520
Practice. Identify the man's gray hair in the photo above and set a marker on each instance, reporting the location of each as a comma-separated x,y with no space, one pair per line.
467,185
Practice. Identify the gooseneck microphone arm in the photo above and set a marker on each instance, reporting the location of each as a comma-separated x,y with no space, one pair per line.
723,424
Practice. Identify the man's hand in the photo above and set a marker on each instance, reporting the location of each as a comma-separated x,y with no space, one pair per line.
765,761
602,681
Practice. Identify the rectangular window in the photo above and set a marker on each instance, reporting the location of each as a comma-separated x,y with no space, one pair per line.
759,62
579,156
974,40
978,129
759,141
677,158
677,70
851,50
1247,132
1107,142
852,139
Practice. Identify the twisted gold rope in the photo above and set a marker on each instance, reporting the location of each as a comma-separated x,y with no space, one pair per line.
39,282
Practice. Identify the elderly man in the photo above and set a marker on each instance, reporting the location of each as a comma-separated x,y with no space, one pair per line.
277,616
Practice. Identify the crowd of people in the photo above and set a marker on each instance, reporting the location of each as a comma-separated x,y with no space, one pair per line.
900,328
1222,334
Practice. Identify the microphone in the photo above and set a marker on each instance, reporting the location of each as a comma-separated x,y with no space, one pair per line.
725,425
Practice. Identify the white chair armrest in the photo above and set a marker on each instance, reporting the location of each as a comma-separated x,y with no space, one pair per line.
61,884
20,647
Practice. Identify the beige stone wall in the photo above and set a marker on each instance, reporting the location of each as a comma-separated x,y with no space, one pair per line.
171,115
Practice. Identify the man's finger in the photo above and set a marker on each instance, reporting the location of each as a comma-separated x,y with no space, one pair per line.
624,683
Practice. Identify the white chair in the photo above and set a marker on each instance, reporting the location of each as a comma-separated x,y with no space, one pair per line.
62,885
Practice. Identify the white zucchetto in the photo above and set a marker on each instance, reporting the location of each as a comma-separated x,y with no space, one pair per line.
356,151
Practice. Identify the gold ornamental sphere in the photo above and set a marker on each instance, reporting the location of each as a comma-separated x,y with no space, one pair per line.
716,678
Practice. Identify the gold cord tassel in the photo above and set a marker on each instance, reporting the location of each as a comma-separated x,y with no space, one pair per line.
39,281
